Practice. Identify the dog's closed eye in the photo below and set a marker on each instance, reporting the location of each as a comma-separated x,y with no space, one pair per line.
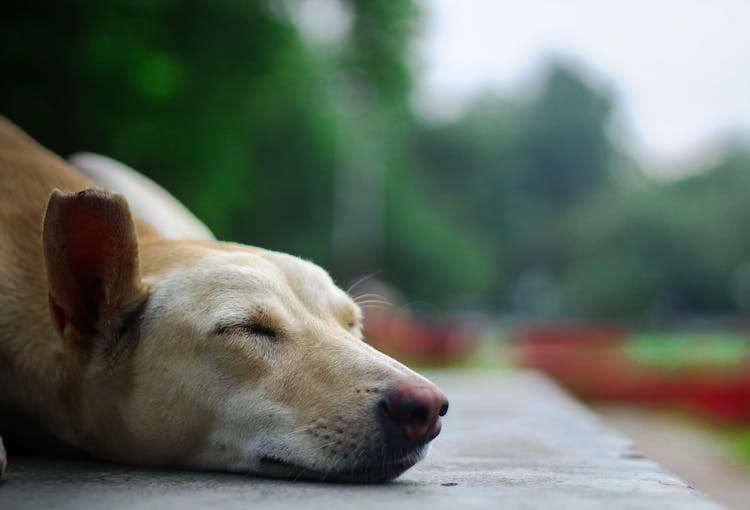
255,329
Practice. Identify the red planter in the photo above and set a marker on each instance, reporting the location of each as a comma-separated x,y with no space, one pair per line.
594,363
415,340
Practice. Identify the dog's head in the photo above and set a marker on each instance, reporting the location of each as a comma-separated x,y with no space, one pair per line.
221,356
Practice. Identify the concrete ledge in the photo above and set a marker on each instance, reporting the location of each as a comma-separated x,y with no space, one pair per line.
511,440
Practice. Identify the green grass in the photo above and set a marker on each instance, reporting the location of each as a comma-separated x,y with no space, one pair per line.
681,350
740,445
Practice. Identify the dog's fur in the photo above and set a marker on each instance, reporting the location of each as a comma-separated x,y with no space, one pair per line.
167,352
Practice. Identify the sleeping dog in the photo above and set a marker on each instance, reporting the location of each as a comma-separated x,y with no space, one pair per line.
149,350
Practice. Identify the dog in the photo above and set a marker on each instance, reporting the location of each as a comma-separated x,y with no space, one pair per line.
190,353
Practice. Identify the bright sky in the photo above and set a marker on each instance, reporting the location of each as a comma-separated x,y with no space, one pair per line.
680,68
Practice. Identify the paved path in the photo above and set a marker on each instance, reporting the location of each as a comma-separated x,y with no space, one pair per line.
511,440
694,449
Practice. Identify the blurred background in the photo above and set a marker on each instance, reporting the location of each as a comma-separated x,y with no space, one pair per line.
560,185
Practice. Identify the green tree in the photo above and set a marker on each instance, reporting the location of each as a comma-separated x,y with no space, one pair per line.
511,172
666,249
226,105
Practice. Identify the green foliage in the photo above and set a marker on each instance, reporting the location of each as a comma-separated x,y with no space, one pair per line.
565,154
665,249
379,42
204,96
523,204
512,173
427,255
568,222
226,106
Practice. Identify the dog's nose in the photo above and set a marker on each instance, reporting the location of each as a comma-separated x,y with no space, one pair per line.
413,412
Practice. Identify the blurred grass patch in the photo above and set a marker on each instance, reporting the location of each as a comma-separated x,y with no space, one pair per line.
740,446
681,350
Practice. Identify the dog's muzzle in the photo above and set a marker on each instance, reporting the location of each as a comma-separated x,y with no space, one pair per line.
408,418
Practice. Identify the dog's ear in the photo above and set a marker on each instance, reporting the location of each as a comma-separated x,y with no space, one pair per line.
93,270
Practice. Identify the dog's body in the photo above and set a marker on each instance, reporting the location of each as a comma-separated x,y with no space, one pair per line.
189,353
146,199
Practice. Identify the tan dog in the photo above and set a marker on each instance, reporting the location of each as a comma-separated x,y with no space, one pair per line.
196,354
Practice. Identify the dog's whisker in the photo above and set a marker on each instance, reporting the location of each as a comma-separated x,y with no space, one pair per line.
361,281
329,443
376,303
303,428
372,298
358,296
381,303
359,456
370,295
375,307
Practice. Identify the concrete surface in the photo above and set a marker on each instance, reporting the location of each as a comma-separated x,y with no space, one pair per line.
696,451
511,440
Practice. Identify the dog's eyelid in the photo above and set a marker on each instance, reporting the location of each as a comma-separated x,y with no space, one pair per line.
260,329
252,328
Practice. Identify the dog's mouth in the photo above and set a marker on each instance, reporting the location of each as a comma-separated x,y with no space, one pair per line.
382,471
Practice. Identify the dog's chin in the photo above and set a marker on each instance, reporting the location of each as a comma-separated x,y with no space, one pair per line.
375,471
